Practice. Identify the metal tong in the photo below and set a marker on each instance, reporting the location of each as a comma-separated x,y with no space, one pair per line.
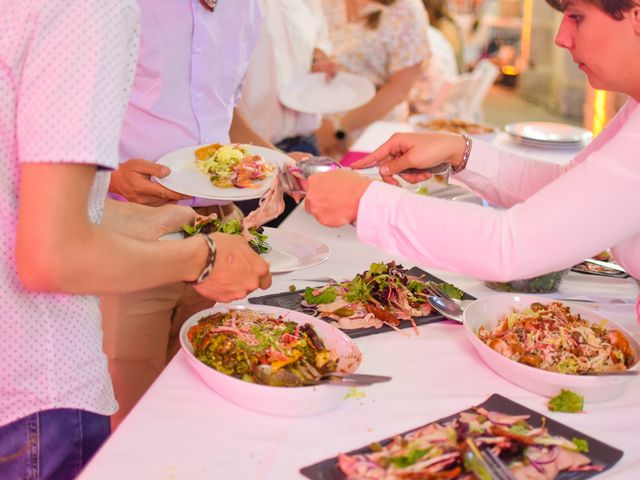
290,177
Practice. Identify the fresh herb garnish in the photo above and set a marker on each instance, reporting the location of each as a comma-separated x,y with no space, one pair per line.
581,444
567,401
415,454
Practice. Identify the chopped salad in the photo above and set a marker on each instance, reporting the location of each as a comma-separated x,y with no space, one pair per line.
446,450
261,348
384,294
552,338
232,165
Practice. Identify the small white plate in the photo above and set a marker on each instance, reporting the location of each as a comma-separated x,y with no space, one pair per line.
186,178
312,93
548,132
289,250
293,251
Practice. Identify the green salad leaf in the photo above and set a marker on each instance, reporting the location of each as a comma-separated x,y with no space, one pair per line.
567,401
415,454
451,290
581,444
326,296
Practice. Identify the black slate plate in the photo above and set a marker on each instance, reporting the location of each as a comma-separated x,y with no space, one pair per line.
293,300
599,452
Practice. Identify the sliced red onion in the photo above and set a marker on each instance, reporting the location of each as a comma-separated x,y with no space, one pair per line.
538,463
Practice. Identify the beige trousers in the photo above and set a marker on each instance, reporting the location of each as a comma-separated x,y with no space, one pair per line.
141,333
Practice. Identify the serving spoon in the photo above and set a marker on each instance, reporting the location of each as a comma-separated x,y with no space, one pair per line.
449,308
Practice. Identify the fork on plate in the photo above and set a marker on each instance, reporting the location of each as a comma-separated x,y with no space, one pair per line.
491,463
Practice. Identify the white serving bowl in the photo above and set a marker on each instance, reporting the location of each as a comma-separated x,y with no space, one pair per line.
285,401
488,311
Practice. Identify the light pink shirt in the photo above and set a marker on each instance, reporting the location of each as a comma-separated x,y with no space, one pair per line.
555,216
191,65
65,72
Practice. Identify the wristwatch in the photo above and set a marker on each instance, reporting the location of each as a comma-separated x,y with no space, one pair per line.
340,134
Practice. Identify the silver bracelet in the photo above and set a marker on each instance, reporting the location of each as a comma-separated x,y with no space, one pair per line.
211,260
465,155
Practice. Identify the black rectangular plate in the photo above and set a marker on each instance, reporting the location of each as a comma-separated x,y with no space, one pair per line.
599,452
293,300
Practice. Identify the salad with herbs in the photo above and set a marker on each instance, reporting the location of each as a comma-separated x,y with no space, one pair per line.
261,348
207,225
447,450
552,338
232,165
383,295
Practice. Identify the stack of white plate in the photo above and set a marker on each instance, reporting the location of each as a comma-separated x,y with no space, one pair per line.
548,135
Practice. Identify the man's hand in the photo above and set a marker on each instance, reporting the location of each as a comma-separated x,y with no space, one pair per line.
132,180
170,218
334,197
237,271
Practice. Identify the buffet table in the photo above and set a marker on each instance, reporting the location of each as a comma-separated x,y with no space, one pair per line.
181,429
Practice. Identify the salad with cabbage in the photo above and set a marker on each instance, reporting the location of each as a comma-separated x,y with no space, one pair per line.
552,338
261,348
206,225
232,165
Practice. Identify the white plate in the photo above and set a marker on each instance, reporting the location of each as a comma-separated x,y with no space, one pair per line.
293,251
548,132
289,250
285,401
186,178
312,93
488,311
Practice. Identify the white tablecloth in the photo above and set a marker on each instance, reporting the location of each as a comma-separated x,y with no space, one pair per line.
181,429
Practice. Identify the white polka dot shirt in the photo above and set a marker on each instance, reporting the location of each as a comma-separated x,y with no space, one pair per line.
65,71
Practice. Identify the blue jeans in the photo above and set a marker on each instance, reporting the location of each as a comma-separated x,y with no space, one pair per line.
52,444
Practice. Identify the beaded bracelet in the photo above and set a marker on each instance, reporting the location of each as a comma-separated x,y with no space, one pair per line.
465,155
211,259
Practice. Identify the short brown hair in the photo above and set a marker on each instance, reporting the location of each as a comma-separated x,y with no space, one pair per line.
615,8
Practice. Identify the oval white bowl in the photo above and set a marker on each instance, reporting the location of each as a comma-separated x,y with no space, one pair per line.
488,311
285,401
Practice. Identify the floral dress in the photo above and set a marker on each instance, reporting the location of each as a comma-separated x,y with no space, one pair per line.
398,42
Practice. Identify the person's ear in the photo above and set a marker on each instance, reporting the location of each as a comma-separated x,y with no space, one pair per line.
634,16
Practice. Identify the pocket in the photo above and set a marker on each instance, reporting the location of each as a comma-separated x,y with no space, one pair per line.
17,440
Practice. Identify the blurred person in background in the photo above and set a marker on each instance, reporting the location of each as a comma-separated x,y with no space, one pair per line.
440,67
187,85
440,18
65,73
553,217
294,42
383,41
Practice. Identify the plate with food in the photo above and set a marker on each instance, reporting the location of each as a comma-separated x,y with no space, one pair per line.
384,298
602,264
426,123
268,359
545,346
285,251
527,443
231,172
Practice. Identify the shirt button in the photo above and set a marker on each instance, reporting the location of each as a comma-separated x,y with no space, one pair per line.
198,96
198,49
